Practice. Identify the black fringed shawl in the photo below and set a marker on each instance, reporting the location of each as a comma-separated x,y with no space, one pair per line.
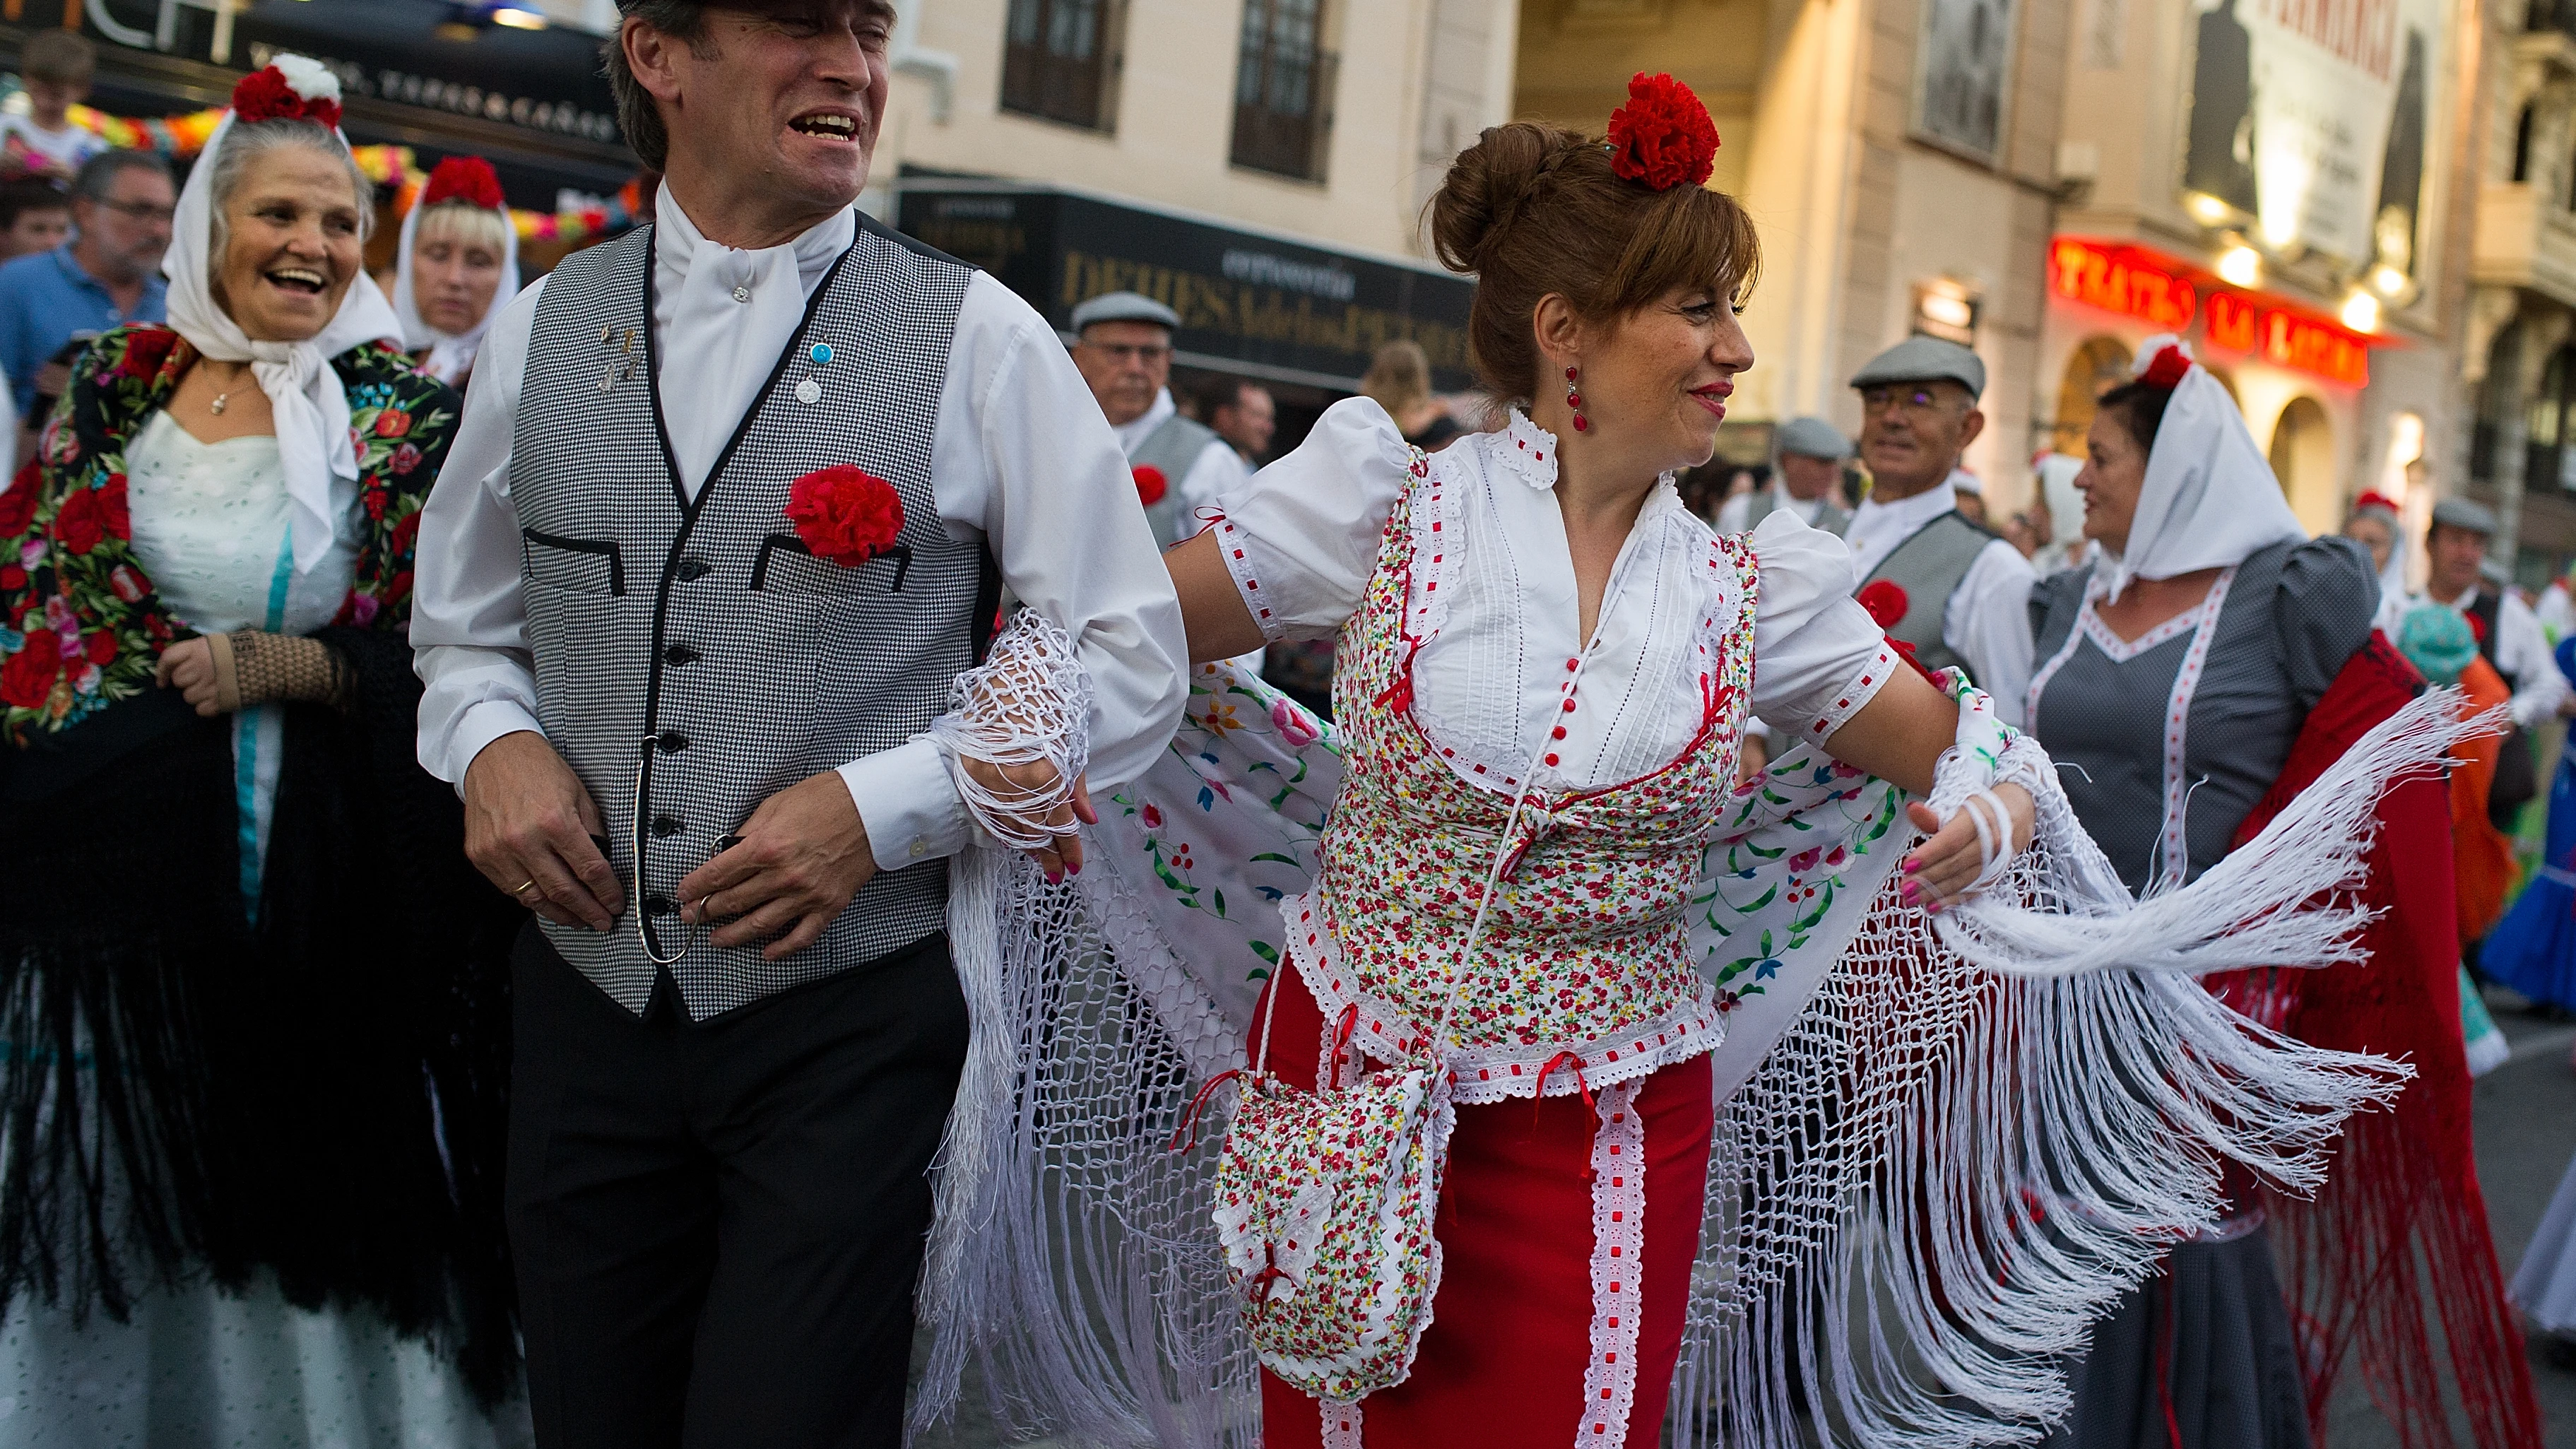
187,1096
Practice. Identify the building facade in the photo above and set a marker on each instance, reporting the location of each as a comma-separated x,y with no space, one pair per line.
2519,355
1898,157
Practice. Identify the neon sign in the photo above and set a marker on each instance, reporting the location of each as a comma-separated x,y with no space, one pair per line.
2119,279
2286,339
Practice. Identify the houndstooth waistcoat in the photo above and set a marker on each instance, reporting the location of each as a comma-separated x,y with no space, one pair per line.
694,659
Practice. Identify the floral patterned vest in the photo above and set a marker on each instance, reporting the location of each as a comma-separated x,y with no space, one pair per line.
1584,962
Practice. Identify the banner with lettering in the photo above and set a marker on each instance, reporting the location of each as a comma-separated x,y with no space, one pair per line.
2309,120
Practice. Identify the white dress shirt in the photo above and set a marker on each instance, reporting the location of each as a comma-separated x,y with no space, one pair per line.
1731,514
1020,458
1496,607
1987,619
2521,650
1213,474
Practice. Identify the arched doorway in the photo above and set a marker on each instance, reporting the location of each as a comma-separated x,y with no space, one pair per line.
2302,455
2099,365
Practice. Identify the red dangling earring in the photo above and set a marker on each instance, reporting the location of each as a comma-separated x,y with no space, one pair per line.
1574,400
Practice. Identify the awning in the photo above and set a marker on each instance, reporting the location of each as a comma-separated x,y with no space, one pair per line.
1252,302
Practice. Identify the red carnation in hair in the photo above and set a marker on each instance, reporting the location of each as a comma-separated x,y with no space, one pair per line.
1663,136
845,513
2166,372
1151,485
264,95
1886,602
463,178
2375,499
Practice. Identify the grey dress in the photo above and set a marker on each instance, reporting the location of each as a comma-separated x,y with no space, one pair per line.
2164,790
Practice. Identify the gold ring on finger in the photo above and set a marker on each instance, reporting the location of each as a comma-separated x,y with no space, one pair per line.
524,889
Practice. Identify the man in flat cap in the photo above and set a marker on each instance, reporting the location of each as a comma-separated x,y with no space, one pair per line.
732,505
1808,462
1966,591
2509,635
1123,347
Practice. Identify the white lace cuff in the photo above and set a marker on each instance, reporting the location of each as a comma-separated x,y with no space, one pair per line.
1028,703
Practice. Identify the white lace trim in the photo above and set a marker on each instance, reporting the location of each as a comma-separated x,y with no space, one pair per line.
1856,695
1028,703
1239,567
1494,1074
1341,1424
1531,458
1618,1252
1436,542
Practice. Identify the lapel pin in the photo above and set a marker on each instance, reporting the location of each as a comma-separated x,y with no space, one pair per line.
809,391
821,353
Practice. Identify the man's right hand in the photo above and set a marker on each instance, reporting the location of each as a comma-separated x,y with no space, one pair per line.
528,828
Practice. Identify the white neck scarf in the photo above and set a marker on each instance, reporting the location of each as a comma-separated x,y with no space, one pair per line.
449,353
312,410
2209,499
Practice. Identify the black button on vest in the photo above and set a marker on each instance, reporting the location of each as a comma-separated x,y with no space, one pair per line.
672,742
666,826
661,906
693,569
680,654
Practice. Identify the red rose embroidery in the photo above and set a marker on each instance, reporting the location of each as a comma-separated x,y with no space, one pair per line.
18,505
392,423
12,577
81,524
845,513
1885,601
404,532
1663,136
2166,372
128,583
397,590
100,647
145,350
406,458
27,680
1151,485
112,510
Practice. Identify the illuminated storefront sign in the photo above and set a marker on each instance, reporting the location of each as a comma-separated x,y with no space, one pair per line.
2161,292
2119,279
2283,338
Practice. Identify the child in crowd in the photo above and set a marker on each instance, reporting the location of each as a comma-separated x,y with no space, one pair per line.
55,67
35,216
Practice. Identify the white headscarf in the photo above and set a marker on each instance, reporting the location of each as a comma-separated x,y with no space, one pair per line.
2066,544
2209,499
313,443
449,353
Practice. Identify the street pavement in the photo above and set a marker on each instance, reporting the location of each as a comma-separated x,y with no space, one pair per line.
2526,1132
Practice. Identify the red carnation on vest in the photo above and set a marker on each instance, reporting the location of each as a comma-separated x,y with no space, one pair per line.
1663,136
1885,602
266,95
845,514
469,179
1150,484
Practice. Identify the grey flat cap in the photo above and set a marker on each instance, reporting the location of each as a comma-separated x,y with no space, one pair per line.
1925,359
2465,514
1124,307
1813,438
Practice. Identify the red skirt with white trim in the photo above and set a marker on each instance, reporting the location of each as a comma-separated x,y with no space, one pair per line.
1559,1315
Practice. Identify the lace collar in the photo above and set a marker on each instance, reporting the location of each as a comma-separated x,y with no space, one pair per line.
1527,451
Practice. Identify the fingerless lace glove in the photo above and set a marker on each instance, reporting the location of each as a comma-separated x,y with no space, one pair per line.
253,667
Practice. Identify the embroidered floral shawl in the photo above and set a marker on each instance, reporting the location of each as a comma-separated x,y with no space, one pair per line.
81,626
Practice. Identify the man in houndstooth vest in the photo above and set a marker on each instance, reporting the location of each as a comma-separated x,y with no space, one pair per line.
687,714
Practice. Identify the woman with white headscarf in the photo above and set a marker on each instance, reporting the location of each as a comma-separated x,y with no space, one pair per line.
251,990
459,261
2205,665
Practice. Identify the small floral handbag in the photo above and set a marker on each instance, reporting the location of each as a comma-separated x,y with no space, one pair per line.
1324,1204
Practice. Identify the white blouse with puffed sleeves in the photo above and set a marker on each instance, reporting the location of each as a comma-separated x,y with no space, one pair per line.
1302,539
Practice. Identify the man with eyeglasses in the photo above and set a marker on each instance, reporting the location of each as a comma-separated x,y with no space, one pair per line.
1123,348
1966,591
108,274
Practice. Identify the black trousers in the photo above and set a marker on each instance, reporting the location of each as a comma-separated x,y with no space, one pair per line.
718,1226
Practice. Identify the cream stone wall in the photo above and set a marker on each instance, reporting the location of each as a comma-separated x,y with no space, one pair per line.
1412,74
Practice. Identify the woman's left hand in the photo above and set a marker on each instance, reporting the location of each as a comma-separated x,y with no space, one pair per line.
1942,871
189,667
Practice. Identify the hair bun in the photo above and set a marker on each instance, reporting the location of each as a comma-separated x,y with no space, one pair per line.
1488,184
